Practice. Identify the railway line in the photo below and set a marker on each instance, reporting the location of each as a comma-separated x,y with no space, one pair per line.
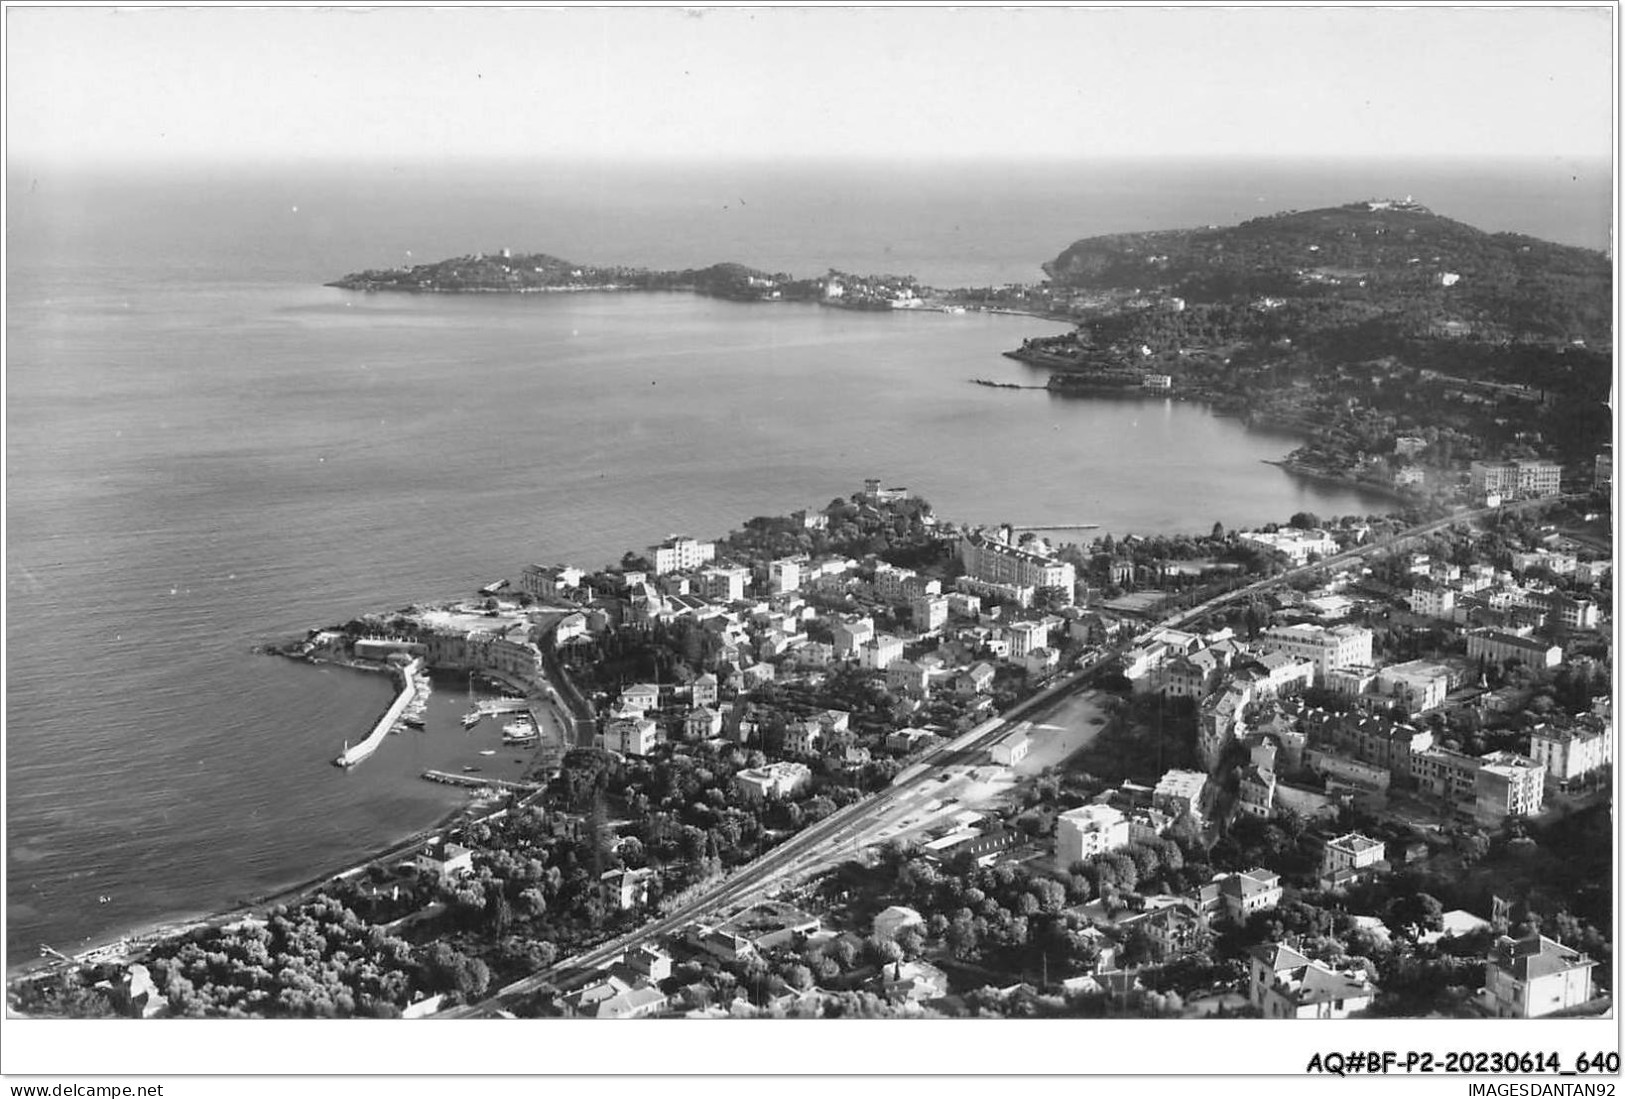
816,844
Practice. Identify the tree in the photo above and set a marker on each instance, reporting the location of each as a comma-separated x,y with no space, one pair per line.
1137,947
498,913
1472,846
961,936
1413,913
884,951
1304,520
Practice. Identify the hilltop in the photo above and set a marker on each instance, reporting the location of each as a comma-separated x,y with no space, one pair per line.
1357,326
1397,260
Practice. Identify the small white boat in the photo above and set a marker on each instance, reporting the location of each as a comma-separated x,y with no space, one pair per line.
488,751
471,719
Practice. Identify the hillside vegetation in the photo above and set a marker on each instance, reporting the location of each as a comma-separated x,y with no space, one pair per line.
1395,261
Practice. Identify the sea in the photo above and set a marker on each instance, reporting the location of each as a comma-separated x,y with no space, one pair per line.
208,450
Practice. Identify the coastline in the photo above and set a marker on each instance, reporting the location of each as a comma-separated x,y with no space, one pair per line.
129,945
1314,474
936,303
1069,388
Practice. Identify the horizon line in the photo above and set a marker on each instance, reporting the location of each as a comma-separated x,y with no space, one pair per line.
16,161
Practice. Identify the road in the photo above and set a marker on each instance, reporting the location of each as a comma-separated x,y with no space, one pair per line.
846,828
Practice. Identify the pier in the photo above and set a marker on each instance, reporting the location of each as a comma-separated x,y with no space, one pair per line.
354,754
450,779
1059,526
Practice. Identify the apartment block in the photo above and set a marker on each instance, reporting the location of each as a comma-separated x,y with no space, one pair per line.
679,552
1326,647
1519,477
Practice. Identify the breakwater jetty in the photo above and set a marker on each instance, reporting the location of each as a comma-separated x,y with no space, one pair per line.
450,779
354,754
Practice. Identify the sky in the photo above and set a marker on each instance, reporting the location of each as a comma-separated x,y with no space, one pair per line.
115,85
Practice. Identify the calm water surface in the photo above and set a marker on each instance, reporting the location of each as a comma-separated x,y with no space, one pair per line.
208,450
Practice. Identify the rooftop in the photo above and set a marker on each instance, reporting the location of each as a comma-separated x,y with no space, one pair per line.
1354,842
1250,883
1278,956
1536,956
1314,983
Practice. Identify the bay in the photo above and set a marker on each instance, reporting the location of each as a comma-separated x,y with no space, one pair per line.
207,450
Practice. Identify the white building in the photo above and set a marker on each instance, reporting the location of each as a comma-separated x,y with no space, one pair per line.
889,581
1535,976
445,860
679,552
1348,858
879,651
638,698
724,585
1024,637
1180,792
1284,984
1011,750
784,575
1324,647
909,678
1296,544
1560,564
999,564
1250,891
545,581
632,736
930,612
776,780
1568,754
851,636
1498,646
1419,685
1088,831
1520,477
1508,785
1433,601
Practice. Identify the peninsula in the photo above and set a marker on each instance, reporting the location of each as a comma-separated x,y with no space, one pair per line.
506,272
1406,346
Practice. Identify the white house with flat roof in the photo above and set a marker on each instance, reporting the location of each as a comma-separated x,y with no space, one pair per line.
1535,976
1088,831
1348,858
